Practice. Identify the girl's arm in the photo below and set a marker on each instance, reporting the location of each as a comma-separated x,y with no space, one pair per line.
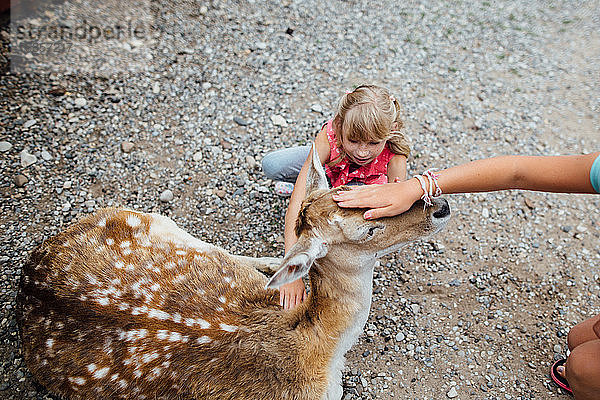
569,174
397,168
292,294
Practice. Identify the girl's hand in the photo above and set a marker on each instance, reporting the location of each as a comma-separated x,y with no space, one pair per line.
383,200
292,294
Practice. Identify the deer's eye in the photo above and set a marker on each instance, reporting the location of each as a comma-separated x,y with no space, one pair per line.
372,230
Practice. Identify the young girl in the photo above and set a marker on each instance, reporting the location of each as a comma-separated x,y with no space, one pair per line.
361,145
579,374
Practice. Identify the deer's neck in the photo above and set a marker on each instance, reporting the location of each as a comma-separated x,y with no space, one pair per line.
339,301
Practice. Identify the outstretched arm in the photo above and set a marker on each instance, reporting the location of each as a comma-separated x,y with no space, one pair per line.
568,174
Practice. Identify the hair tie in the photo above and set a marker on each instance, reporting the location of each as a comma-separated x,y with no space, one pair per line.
349,91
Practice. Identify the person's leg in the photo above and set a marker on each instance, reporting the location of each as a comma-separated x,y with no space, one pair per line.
284,165
583,370
582,332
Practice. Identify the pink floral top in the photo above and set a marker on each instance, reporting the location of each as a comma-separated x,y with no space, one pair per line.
372,173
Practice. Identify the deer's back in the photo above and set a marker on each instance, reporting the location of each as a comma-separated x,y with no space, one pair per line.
111,308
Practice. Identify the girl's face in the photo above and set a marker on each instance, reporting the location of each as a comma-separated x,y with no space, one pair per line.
360,152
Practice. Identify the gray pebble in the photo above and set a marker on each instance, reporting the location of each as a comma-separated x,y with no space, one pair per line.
166,196
27,159
5,146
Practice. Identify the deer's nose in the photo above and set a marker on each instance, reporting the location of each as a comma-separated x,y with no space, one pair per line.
444,209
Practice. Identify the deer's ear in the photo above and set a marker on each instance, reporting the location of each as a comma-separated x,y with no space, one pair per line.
316,177
298,261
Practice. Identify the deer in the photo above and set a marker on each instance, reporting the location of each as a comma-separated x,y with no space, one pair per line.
127,305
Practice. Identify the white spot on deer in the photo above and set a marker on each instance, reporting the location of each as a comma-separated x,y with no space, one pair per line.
177,318
137,373
123,306
133,221
135,334
50,343
102,223
139,310
110,241
181,252
203,323
203,340
103,301
162,334
220,309
101,373
114,377
146,358
91,368
179,278
154,373
227,279
166,364
174,337
170,265
158,314
77,380
222,299
125,244
127,252
168,355
228,328
189,321
119,265
122,383
155,287
129,267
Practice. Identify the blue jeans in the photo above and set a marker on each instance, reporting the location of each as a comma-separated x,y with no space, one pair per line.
285,164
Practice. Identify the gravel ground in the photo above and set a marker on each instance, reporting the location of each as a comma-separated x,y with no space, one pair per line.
479,312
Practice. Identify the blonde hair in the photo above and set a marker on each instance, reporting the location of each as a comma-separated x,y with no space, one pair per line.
369,113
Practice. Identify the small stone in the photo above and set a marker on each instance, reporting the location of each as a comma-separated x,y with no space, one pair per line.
452,393
250,162
5,146
197,156
485,213
557,348
27,159
29,124
46,156
166,196
415,308
240,121
316,108
468,123
529,203
57,91
80,102
203,10
206,85
261,45
156,88
400,337
127,147
66,207
220,192
67,185
21,180
225,144
278,120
